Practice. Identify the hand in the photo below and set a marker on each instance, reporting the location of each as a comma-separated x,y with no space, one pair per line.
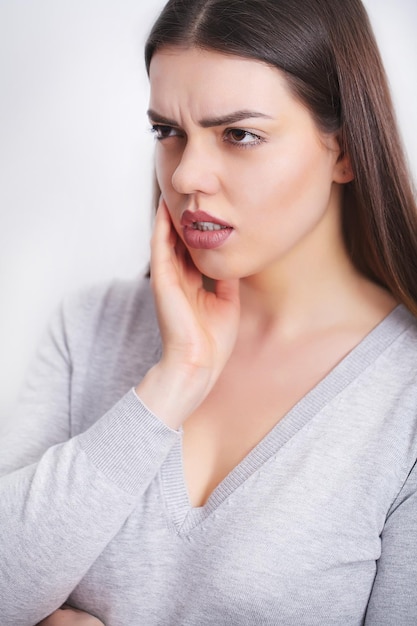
198,328
67,616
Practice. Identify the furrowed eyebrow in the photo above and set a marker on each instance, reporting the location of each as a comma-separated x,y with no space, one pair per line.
160,119
231,118
223,120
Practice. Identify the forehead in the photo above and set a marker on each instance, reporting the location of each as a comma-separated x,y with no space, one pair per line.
191,74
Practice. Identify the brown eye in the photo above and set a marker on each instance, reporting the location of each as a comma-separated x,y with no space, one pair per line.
241,137
164,132
237,134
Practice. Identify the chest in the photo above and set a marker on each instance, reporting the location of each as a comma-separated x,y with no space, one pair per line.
286,538
250,398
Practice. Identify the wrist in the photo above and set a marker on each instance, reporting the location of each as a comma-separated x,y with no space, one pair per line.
171,393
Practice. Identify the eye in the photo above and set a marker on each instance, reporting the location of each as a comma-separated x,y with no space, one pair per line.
164,132
242,138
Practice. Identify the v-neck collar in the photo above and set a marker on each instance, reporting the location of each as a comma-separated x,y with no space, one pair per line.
185,517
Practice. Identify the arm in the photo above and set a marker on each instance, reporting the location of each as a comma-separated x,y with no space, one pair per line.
58,514
54,520
394,594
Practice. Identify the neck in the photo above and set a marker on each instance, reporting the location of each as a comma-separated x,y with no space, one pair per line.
310,292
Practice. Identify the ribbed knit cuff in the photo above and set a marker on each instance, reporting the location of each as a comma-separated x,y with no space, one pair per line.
129,444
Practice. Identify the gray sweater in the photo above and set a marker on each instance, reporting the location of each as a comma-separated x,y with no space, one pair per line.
316,526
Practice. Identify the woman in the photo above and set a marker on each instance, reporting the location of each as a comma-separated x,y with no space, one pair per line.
262,470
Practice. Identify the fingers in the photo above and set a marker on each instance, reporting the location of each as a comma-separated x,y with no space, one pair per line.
164,233
163,241
170,259
184,255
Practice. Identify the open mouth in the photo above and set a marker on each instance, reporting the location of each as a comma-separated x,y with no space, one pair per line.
204,226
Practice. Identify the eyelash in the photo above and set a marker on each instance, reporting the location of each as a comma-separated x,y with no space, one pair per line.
257,139
156,129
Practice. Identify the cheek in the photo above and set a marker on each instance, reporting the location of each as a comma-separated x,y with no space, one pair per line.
296,181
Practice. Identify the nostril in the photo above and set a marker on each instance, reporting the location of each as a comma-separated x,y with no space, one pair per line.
194,175
179,181
185,177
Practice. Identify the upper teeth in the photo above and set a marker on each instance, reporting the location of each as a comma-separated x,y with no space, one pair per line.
207,226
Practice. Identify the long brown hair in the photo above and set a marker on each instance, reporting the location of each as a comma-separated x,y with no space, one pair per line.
328,52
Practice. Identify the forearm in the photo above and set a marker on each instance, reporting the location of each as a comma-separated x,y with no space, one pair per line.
57,516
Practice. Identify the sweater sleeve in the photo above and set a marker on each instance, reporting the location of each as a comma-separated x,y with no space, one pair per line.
63,499
394,595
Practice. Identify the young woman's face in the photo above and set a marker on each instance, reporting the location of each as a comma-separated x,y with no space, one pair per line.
248,179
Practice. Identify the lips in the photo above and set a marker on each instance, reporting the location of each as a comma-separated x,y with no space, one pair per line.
190,218
203,231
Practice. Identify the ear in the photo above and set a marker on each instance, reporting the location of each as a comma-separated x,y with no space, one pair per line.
343,172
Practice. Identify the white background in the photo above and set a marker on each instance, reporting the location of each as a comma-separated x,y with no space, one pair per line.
76,154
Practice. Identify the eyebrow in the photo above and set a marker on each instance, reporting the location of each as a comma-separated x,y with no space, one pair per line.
210,122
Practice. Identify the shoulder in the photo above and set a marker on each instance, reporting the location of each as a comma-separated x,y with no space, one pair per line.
112,338
107,308
393,387
401,355
106,327
116,298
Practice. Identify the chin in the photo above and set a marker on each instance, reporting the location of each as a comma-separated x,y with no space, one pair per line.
211,273
218,275
217,266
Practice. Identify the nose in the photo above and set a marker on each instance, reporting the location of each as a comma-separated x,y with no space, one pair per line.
197,170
